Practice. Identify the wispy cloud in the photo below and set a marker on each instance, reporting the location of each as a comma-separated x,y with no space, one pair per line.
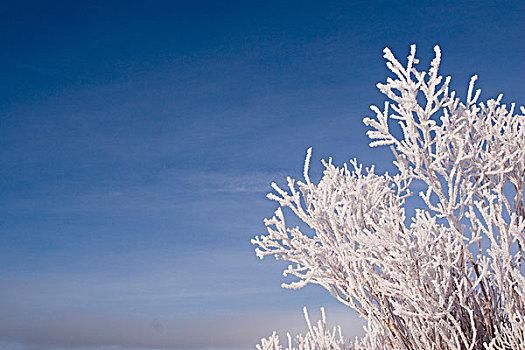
222,182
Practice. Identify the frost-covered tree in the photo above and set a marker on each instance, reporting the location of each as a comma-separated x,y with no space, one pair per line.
452,275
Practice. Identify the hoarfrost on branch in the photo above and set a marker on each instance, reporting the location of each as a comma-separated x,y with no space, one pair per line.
450,277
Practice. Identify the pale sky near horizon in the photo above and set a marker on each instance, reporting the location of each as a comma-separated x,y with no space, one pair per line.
138,141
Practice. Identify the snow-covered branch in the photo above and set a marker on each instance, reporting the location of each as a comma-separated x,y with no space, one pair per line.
452,276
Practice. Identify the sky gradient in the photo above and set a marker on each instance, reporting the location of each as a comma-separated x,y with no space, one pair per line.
138,141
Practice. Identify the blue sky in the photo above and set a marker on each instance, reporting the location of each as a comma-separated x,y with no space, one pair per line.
138,141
